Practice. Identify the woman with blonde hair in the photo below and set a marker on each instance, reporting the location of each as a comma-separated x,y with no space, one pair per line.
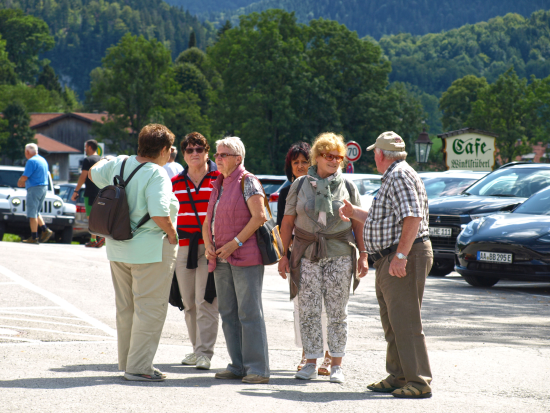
323,259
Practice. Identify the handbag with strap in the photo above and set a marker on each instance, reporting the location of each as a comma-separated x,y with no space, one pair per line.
268,236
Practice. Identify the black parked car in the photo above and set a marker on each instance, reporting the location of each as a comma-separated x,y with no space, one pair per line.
501,190
514,246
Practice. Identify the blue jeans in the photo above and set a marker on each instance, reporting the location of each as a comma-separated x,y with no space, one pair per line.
36,195
239,291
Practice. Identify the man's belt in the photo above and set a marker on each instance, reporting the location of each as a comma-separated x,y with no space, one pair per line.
387,251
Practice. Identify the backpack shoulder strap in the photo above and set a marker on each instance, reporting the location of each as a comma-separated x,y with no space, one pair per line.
124,183
348,187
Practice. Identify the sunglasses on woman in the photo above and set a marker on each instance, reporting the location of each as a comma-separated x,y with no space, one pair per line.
330,157
199,149
223,155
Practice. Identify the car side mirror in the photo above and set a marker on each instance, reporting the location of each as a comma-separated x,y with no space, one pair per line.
56,189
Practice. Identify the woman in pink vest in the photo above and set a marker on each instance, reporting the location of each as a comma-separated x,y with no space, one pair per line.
229,233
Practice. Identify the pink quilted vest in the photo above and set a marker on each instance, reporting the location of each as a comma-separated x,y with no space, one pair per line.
232,215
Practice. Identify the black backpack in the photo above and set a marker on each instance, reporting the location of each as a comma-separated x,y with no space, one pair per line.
110,216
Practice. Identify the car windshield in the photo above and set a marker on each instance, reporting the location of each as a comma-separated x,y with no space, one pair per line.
366,186
538,204
271,185
436,187
518,182
10,178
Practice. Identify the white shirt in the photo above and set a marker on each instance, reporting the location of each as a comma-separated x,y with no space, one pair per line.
173,169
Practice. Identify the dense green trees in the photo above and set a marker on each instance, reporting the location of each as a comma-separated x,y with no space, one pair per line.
14,131
432,62
511,107
373,17
285,82
85,29
136,86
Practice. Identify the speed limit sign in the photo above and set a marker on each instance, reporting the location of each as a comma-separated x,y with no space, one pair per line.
354,151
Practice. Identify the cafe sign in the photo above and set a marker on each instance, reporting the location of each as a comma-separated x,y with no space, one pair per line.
469,149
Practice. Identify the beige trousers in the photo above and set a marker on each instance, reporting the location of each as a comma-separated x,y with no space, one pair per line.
201,317
400,301
141,295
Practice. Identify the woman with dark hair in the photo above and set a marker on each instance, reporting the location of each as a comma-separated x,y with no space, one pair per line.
193,187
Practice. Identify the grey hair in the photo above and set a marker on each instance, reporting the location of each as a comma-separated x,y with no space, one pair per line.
234,144
173,153
397,155
31,147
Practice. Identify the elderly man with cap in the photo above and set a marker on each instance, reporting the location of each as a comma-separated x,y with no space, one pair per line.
397,239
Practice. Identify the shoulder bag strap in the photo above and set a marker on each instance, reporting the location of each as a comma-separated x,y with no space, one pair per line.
266,201
192,201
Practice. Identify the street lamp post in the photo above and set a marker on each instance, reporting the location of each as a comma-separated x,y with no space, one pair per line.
422,145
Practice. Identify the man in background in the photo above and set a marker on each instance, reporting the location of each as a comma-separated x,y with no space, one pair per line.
35,180
91,191
172,167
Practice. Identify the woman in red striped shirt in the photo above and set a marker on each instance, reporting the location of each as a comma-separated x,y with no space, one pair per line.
192,187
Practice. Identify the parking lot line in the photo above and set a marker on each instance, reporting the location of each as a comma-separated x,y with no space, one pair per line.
500,288
66,306
57,331
26,340
37,315
45,322
49,307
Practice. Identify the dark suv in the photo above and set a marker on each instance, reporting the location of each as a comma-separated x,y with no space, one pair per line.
501,190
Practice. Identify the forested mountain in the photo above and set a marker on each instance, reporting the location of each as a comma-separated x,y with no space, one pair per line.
85,29
377,18
432,62
204,7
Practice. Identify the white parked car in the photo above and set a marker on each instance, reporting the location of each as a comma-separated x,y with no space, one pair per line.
367,184
58,215
272,185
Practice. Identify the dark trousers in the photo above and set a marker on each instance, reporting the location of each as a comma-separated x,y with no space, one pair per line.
400,301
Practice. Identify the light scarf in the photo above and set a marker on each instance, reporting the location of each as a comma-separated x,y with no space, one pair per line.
323,191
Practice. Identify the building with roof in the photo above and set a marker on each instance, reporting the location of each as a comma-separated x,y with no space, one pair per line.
72,129
56,154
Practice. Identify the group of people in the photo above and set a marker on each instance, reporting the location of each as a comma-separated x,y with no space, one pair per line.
203,226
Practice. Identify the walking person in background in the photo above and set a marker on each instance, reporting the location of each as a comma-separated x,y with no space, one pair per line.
193,187
35,180
91,191
323,259
173,168
397,238
233,254
296,165
143,266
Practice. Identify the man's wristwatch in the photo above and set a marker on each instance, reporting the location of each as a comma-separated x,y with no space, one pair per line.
238,242
401,256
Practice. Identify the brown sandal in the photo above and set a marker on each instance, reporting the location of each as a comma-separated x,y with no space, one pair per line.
411,392
324,369
382,386
302,363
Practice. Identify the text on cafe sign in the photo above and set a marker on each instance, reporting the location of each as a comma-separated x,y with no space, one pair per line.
471,151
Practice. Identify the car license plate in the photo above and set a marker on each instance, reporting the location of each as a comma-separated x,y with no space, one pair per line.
440,232
494,257
47,220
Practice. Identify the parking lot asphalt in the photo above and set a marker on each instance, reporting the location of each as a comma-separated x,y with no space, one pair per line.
489,347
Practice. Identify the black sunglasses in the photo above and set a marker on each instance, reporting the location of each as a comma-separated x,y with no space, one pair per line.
189,151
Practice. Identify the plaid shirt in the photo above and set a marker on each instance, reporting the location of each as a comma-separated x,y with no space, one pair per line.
402,194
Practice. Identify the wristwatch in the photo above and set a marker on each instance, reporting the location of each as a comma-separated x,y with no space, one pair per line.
238,242
401,256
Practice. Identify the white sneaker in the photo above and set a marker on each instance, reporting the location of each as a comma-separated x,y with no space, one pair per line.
203,363
336,374
308,372
190,360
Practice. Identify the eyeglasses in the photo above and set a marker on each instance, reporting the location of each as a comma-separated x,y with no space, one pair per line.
223,155
330,157
189,151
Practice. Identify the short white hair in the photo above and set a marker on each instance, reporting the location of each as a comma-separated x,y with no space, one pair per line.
234,144
397,155
31,147
173,153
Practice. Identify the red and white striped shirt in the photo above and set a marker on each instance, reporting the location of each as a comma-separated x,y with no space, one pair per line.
187,220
